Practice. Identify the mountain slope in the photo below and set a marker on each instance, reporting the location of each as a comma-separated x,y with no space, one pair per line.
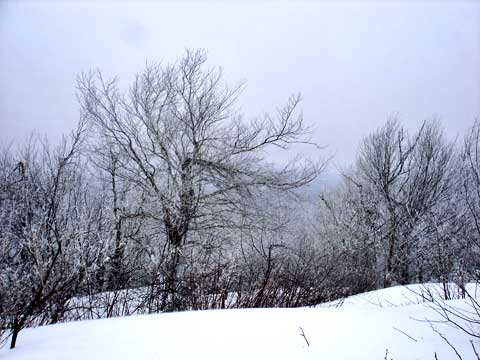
352,331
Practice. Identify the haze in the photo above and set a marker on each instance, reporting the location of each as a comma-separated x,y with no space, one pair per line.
356,63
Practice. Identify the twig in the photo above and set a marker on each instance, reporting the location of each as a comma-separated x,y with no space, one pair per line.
446,340
475,350
304,336
404,333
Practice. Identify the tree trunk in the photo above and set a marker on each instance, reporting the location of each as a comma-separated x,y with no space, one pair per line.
16,329
170,299
175,241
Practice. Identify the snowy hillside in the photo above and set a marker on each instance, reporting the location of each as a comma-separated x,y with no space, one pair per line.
359,329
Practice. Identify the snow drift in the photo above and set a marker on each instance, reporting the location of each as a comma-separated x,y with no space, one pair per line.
361,327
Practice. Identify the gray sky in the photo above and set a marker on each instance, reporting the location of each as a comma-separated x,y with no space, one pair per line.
355,63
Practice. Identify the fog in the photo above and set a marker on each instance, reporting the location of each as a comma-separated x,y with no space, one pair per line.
356,63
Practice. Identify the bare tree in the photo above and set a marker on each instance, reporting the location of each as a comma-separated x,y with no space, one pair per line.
400,192
470,196
184,143
468,245
44,240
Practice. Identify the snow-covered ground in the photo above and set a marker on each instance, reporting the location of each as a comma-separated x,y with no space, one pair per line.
404,295
363,327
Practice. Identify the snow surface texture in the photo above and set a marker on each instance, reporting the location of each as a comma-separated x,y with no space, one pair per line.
363,327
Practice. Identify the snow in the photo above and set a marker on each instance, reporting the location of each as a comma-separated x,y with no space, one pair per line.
403,295
359,329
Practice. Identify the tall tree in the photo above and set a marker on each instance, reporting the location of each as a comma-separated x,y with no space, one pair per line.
44,231
184,143
402,183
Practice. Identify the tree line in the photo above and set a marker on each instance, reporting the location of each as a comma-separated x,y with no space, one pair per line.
163,199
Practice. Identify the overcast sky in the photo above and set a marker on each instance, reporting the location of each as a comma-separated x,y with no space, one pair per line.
355,63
